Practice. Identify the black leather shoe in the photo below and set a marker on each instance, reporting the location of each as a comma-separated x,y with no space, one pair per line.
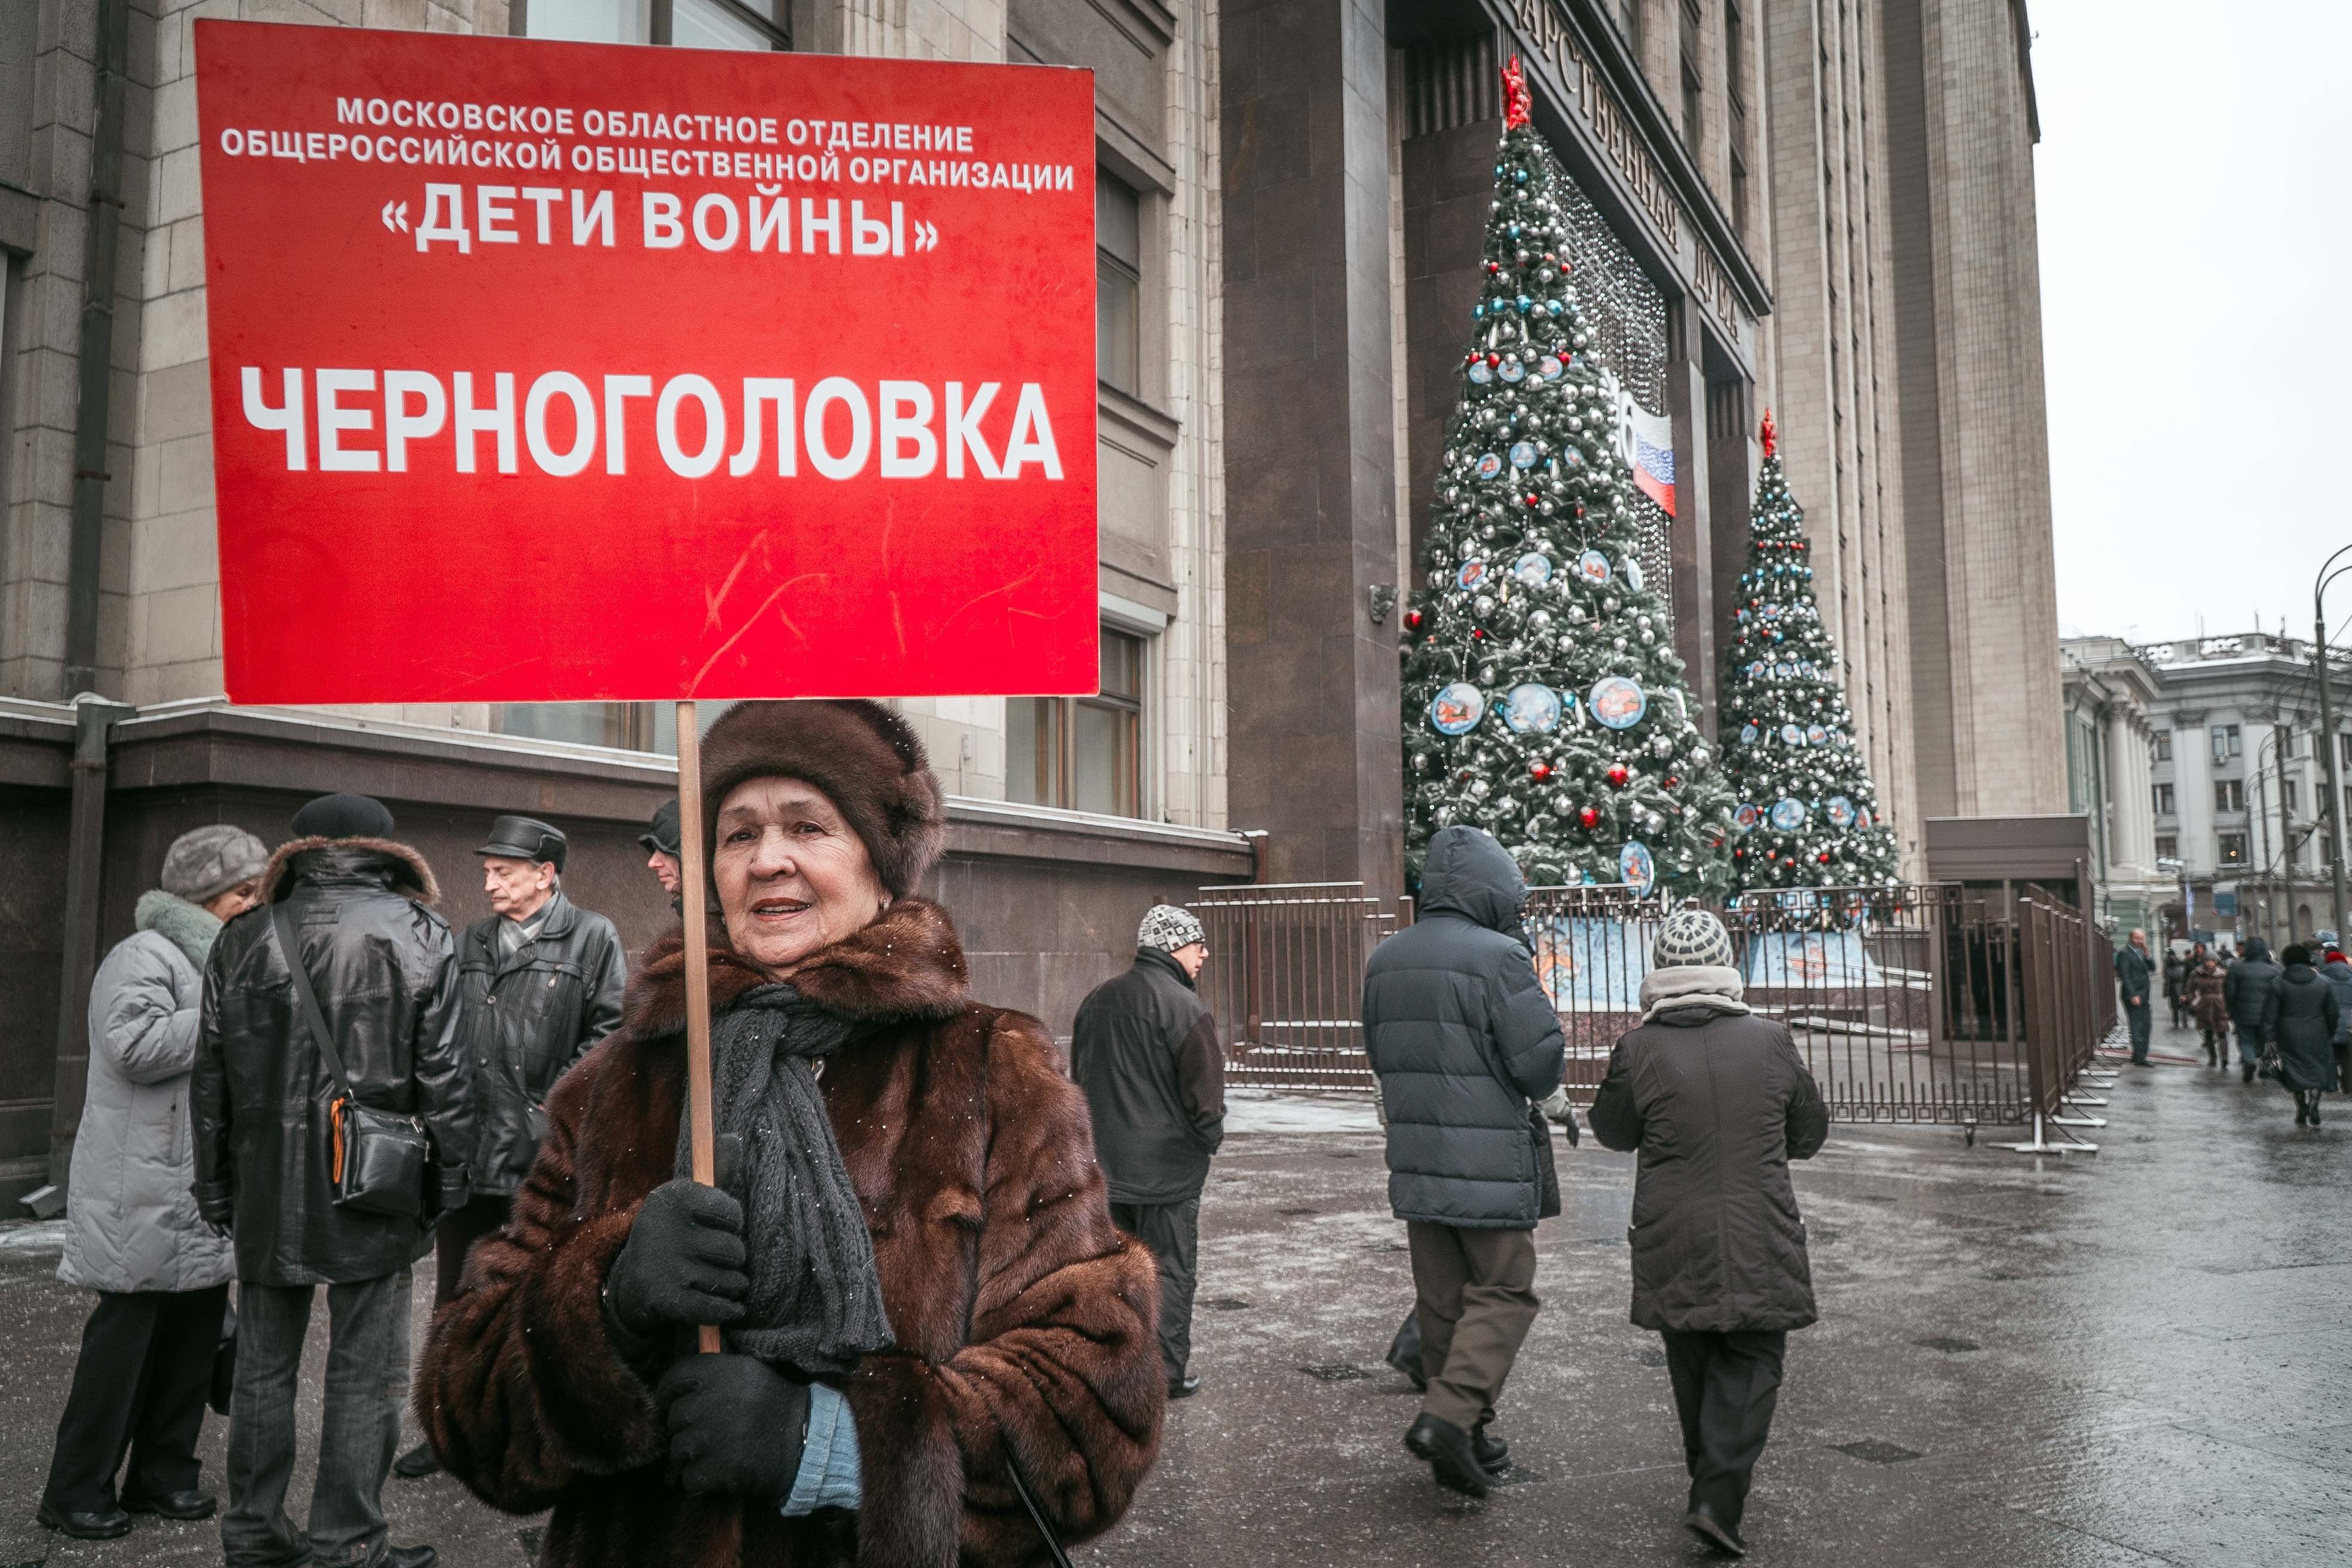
1446,1449
2248,1077
417,1463
411,1557
1493,1454
111,1525
1184,1387
1702,1522
189,1504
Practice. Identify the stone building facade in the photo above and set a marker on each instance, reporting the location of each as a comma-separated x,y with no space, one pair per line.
2111,694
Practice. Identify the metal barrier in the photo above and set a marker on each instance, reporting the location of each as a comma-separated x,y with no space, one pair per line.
1921,1003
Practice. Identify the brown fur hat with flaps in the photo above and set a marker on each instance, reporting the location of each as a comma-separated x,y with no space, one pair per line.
864,757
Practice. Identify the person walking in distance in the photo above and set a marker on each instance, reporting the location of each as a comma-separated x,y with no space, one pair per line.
2208,1005
660,843
2133,972
539,986
2176,976
132,1231
2248,988
329,1016
2337,969
2300,1020
1465,1043
1145,1051
1718,1102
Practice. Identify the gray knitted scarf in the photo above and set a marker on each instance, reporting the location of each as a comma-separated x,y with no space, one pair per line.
816,1298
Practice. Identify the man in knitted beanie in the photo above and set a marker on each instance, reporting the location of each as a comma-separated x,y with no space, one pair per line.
1718,1102
1144,1049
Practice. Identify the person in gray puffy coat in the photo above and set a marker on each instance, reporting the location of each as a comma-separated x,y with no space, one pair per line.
1718,1102
134,1236
1465,1043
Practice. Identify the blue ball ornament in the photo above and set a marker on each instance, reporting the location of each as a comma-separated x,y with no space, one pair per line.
1554,306
1525,304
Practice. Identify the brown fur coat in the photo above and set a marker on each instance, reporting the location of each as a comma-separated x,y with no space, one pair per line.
1023,1319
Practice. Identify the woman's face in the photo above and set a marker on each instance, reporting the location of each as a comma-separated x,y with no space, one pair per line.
793,878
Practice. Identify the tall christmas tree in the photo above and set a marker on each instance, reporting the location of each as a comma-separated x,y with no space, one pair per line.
1543,699
1807,816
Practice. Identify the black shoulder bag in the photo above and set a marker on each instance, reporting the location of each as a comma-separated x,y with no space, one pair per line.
379,1157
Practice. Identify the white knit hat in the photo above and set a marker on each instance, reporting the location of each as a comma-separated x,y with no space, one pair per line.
1169,927
1691,936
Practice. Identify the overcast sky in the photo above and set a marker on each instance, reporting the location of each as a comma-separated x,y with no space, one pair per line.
2195,190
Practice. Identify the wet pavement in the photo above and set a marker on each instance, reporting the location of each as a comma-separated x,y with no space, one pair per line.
2141,1356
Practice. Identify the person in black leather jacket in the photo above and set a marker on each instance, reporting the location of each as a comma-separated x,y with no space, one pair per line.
385,972
540,983
2248,988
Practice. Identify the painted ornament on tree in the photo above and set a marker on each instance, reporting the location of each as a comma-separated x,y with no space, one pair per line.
1636,867
1532,708
1593,567
1791,736
1788,814
1481,372
1617,702
1457,709
1512,372
1472,573
1533,569
1523,454
1489,464
1842,812
1750,734
1747,817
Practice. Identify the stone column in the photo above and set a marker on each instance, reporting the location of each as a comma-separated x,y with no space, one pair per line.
1310,486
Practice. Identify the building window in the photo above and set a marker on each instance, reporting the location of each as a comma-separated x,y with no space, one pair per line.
2168,847
2227,744
626,725
2228,795
2286,788
2163,800
729,23
689,24
1083,754
2343,748
1118,285
2233,848
2163,746
1734,102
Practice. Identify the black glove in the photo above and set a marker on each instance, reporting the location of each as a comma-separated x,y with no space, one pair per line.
683,1263
737,1427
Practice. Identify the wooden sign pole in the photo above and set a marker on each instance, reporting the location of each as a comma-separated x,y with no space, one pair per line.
694,906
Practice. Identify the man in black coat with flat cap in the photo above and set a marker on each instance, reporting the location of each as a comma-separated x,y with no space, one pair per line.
539,983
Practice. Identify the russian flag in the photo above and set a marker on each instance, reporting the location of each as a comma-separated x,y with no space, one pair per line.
1653,457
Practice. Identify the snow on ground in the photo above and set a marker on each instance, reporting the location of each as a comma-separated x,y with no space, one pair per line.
1273,1110
42,1235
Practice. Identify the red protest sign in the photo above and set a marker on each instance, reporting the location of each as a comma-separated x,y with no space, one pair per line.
547,370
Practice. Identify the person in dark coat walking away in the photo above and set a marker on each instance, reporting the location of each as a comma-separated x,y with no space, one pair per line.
2133,972
384,970
539,983
2337,972
2176,976
1466,1043
134,1236
2300,1020
2208,1005
1145,1051
2248,987
1718,1102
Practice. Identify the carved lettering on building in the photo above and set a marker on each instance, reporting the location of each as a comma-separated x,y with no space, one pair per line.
1711,283
1544,33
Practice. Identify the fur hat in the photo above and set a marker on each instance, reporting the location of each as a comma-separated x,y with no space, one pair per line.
866,758
1169,927
343,817
205,862
1691,936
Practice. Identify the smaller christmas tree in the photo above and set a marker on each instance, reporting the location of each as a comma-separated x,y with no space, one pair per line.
1807,816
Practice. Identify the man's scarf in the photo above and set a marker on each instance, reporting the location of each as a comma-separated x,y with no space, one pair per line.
1714,986
816,1299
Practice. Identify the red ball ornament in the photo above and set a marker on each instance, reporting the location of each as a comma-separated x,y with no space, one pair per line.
1539,770
1533,499
1673,782
1412,620
1589,818
1493,268
1618,775
1823,856
1477,634
1494,359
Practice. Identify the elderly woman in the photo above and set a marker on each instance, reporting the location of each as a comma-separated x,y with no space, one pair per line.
1718,1102
926,1306
2300,1019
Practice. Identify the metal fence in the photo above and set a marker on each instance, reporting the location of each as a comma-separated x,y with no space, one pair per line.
1920,1004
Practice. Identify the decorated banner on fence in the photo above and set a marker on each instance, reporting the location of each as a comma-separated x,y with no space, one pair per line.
548,370
1809,959
1591,966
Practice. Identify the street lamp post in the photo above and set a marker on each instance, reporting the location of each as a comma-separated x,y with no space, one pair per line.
2328,730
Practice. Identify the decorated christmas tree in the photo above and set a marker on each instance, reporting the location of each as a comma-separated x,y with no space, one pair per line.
1807,816
1543,699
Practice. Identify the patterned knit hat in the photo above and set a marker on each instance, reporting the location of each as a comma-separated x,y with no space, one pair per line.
207,861
1691,936
1169,927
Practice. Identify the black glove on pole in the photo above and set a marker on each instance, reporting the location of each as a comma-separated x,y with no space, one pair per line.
683,1264
737,1427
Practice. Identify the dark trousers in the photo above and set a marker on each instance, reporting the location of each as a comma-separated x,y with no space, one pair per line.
1725,1387
138,1389
1172,1232
2252,1038
1475,1293
454,1236
2142,1019
2180,1008
367,1383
